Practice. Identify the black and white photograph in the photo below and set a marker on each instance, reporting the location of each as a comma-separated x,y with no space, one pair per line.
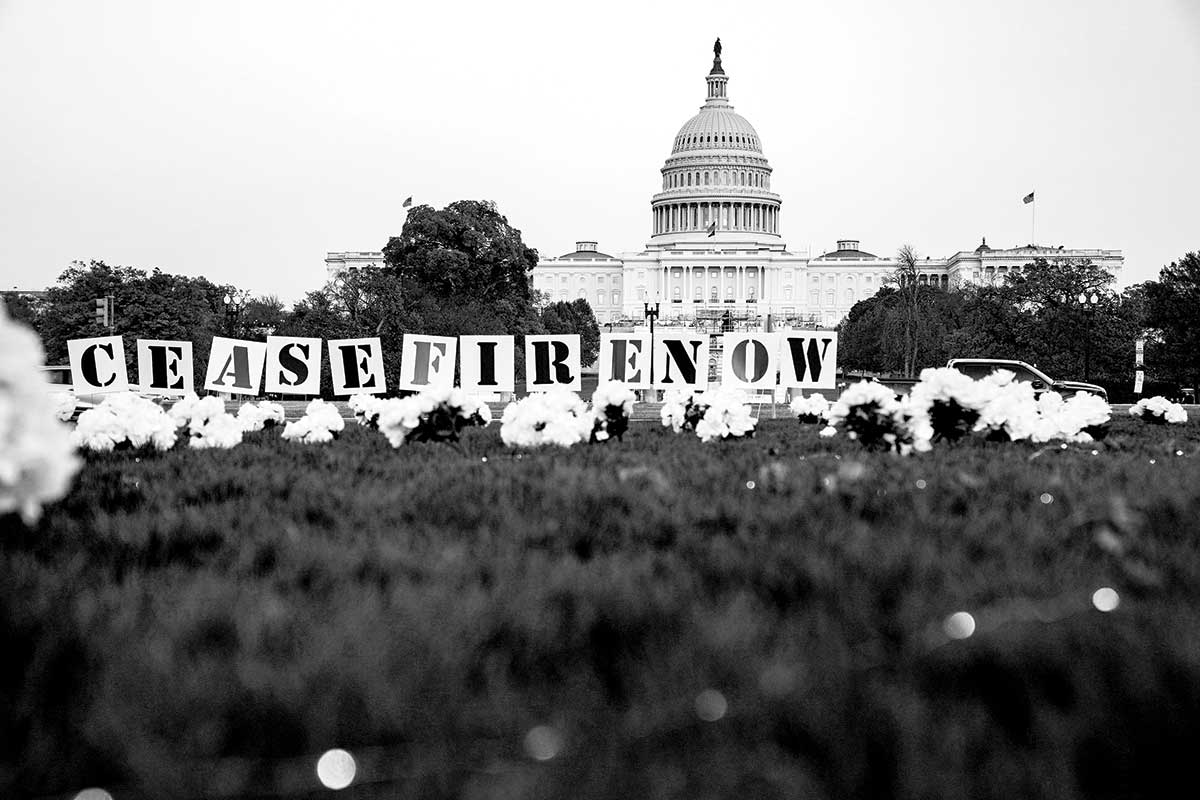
623,401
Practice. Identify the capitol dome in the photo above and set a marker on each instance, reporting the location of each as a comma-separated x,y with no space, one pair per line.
716,184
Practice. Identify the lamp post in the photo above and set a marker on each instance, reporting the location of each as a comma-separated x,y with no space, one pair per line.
1089,304
234,301
651,314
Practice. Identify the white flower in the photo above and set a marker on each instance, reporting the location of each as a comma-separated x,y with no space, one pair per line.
125,419
321,421
809,409
676,403
366,408
437,414
256,416
192,410
556,417
870,414
37,459
951,401
726,415
218,431
1159,410
612,403
1010,409
63,405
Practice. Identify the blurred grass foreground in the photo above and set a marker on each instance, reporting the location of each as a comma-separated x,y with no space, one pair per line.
780,617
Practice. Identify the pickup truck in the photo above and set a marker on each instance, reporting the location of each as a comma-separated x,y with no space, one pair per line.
979,367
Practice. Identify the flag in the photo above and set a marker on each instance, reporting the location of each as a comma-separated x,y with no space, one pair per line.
1028,198
712,228
408,202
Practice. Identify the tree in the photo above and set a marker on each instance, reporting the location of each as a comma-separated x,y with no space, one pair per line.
575,317
465,252
909,295
872,339
1172,305
157,305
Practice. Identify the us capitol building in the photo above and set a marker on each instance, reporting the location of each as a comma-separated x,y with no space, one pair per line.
715,251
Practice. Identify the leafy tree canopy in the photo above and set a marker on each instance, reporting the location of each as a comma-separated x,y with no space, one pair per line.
464,252
575,317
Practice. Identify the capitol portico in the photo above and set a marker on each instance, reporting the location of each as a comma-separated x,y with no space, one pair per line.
715,249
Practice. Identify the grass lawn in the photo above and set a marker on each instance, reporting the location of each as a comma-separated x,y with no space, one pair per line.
654,618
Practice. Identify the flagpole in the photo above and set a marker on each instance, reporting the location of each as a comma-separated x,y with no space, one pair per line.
1033,222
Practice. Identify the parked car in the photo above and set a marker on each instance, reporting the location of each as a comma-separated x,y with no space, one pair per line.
980,367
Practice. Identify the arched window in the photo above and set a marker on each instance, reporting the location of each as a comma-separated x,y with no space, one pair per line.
814,298
706,177
616,299
677,295
713,294
689,182
829,298
583,294
600,298
849,297
728,294
699,293
750,293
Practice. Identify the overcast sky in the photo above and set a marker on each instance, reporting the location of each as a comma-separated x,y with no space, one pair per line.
242,140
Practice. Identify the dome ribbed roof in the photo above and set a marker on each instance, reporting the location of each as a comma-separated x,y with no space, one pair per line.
717,128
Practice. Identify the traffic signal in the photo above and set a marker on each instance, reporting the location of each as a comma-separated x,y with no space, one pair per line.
104,311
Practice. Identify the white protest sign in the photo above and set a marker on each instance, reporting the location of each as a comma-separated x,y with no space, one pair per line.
1139,379
427,361
553,360
235,366
356,366
808,359
749,360
165,367
98,365
625,358
293,365
488,363
681,361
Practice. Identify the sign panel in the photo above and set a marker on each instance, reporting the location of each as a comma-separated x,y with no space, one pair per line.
427,361
808,359
1139,379
293,365
165,367
681,361
553,360
749,361
488,363
235,366
356,366
98,365
625,358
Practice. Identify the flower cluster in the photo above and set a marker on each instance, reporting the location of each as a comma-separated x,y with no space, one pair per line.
1159,411
434,415
37,459
125,421
948,406
366,408
612,403
63,405
718,413
811,409
263,414
870,414
952,401
555,417
207,424
321,423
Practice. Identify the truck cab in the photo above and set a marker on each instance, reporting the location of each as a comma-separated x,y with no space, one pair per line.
981,367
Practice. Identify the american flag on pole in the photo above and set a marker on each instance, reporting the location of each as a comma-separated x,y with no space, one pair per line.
1028,198
712,228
